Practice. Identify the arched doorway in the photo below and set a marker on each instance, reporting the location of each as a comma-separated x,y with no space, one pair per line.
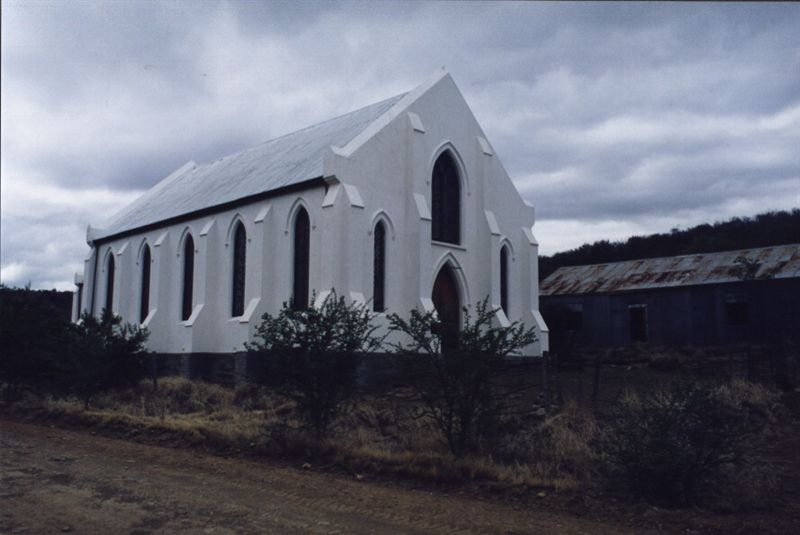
448,306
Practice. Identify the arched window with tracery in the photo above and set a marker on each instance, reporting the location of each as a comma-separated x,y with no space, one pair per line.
110,282
379,268
504,279
144,298
188,278
446,200
302,230
239,263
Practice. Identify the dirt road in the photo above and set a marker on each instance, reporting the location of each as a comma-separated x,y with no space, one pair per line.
56,481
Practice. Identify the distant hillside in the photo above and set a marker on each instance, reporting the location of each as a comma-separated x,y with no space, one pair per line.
763,230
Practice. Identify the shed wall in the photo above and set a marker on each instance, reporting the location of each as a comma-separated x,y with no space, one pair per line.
678,317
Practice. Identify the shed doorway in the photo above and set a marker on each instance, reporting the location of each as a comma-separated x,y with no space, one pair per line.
448,306
638,323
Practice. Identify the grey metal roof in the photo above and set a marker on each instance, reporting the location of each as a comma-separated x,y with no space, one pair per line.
280,162
778,262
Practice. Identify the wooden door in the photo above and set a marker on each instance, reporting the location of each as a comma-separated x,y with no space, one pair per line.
448,307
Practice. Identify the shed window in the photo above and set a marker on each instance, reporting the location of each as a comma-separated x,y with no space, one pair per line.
302,229
144,298
446,201
110,283
574,317
736,312
188,278
379,267
239,263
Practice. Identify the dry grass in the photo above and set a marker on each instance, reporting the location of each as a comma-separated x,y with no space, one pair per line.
377,436
558,450
740,394
172,395
177,412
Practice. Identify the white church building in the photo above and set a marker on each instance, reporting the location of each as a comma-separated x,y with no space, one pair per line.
402,204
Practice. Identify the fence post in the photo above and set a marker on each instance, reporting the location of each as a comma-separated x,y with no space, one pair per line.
153,365
596,379
781,379
555,380
545,381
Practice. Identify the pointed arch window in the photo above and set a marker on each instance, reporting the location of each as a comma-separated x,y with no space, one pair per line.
446,200
239,271
188,278
79,292
379,268
504,279
110,282
144,298
302,229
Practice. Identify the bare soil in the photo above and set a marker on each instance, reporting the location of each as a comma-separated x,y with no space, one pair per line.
56,481
53,480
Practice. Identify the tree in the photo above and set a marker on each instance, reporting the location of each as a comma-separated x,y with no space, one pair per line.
460,390
767,229
32,331
311,355
103,354
744,268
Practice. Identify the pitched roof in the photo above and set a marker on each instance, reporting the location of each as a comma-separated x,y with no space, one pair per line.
280,162
778,262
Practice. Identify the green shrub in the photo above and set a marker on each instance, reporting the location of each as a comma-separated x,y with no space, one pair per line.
460,389
311,356
673,445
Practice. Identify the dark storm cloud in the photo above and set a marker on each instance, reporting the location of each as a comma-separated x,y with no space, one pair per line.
613,119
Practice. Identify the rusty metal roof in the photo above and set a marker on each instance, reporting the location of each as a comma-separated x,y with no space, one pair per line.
778,262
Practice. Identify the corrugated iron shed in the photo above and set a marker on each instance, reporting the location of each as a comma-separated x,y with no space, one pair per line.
274,164
778,262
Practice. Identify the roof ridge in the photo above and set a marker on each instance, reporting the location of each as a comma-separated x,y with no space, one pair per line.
261,144
315,125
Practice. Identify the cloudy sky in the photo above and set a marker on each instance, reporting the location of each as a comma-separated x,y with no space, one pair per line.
613,119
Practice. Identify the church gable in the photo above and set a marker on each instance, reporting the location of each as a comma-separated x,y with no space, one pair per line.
400,149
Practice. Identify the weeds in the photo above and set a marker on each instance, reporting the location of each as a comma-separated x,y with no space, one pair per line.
381,436
674,445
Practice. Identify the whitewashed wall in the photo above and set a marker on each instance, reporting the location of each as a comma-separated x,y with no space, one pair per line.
388,168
